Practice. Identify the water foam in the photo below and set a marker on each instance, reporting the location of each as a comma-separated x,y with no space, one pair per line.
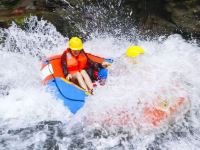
169,68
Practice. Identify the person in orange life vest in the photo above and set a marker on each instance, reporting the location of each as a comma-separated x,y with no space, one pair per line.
75,61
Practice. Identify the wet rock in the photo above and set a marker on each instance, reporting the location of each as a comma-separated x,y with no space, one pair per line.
166,17
151,17
50,10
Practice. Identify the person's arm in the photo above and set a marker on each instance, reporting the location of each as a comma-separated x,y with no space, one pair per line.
95,58
104,62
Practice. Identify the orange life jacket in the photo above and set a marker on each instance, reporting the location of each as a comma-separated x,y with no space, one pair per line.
75,64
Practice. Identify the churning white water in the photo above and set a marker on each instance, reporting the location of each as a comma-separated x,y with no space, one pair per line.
31,118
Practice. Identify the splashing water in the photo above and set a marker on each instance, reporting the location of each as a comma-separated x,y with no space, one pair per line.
31,118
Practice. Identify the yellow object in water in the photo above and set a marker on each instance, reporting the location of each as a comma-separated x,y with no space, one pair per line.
75,44
134,51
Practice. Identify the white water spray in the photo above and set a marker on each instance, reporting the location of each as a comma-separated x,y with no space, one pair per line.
168,63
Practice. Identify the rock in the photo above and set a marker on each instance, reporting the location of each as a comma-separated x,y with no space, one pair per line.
167,16
149,16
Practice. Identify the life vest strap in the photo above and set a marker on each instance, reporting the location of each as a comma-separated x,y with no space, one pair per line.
64,63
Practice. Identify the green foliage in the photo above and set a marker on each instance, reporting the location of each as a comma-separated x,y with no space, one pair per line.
20,21
8,4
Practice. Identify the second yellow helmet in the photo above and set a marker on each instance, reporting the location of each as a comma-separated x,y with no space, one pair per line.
134,51
75,44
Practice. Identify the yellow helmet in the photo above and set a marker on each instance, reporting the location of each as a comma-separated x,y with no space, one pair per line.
75,44
134,51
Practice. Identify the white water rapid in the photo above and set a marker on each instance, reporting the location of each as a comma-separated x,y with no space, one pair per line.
31,118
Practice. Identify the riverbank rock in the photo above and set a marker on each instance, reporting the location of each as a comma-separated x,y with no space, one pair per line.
167,16
81,17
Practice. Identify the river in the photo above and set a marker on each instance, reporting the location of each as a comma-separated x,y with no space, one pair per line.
31,117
